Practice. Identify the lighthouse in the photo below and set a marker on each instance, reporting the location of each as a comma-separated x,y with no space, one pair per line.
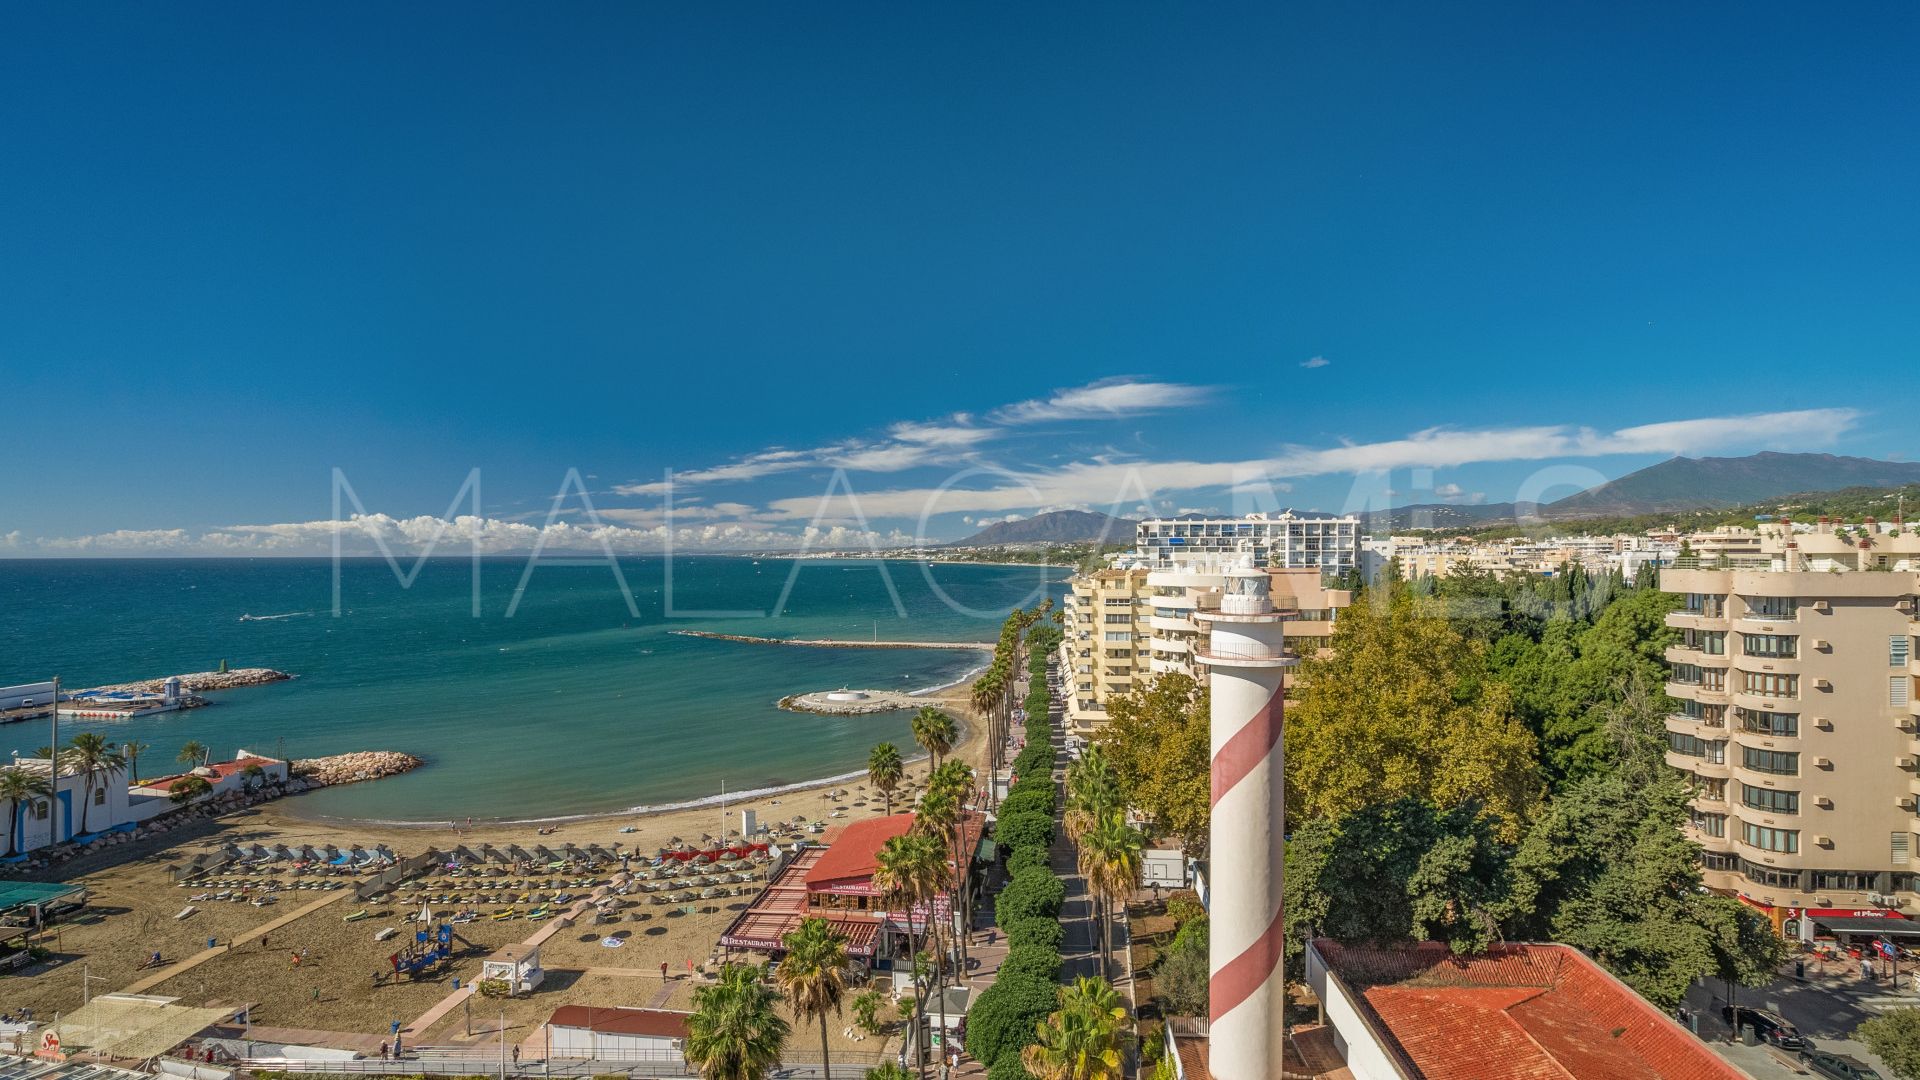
1246,657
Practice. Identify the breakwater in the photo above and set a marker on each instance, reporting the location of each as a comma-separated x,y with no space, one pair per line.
833,643
352,768
201,682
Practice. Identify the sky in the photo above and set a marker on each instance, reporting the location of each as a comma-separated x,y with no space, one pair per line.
855,273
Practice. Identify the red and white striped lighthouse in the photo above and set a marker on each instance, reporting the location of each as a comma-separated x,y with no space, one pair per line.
1246,654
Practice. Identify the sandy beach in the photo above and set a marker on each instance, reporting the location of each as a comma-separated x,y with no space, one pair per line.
334,990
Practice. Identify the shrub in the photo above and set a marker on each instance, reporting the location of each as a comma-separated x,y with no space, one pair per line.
1027,858
1032,894
1024,830
1008,1067
1183,907
1180,976
1003,1017
866,1011
1038,961
1046,932
1028,798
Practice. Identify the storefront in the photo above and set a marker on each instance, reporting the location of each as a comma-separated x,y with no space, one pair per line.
1849,926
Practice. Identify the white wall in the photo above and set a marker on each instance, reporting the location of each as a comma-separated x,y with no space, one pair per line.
1352,1035
579,1042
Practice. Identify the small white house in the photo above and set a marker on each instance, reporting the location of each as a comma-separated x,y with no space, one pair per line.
516,965
1164,867
588,1031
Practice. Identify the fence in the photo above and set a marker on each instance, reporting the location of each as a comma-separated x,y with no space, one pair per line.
464,1062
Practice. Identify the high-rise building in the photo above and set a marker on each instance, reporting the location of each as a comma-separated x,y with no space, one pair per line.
1278,541
1104,646
1797,715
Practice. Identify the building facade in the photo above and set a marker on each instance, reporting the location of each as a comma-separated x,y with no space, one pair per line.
1104,647
1796,716
1328,544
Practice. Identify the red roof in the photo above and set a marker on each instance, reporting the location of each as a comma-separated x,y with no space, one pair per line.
854,854
613,1021
220,769
1521,1012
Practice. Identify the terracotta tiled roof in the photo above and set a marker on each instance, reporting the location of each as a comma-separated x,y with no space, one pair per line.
1522,1012
854,853
616,1021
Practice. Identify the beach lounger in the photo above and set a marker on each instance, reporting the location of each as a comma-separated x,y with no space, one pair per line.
385,933
186,912
357,916
502,916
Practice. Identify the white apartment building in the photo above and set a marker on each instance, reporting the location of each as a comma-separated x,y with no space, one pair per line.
1277,541
1797,716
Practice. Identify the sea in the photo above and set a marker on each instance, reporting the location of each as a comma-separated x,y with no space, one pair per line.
568,693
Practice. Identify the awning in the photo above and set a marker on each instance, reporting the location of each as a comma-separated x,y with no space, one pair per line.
987,850
1880,927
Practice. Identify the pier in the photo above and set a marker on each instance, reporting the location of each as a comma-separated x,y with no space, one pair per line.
834,643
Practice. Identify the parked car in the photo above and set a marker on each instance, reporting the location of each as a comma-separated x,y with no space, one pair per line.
1837,1066
1771,1027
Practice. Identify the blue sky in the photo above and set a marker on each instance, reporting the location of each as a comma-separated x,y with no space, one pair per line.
1101,255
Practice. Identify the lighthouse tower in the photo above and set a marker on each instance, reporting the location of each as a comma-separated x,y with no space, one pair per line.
1245,652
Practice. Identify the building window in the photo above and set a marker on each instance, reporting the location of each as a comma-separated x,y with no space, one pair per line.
1117,635
99,796
1843,880
1898,647
41,808
1898,692
1710,788
1897,847
1709,605
1686,674
1769,800
1714,860
1714,753
1779,762
1768,684
1713,678
1767,875
1710,824
1773,607
1779,646
1784,725
1711,642
1784,841
1703,713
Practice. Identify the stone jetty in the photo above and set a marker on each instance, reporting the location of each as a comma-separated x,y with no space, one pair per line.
206,680
351,768
853,702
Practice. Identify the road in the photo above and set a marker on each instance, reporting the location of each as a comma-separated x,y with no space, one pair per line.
1826,1008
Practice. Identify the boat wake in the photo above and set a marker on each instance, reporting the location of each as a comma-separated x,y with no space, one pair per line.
275,618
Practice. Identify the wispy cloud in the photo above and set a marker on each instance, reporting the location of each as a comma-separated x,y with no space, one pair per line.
1107,399
1315,361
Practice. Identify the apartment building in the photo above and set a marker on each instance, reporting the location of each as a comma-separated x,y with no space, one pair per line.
1104,647
1277,541
1796,718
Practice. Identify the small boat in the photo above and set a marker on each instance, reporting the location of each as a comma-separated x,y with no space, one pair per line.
363,913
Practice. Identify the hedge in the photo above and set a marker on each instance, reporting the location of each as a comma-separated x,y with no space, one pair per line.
1024,857
1035,960
1004,1017
1008,1067
1032,894
1033,798
1024,830
1047,932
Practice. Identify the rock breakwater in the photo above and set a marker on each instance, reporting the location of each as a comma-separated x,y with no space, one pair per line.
200,682
353,768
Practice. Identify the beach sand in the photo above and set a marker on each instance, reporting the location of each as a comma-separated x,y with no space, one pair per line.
333,990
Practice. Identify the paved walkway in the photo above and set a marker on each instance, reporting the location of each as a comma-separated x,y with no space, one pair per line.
204,955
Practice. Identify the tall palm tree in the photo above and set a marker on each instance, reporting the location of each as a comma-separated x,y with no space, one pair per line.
191,755
953,782
17,785
884,770
813,975
934,731
133,749
735,1032
1085,1039
1092,791
909,871
1109,857
91,752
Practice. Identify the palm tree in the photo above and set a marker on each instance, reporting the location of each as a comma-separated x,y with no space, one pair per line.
735,1032
133,749
1109,856
884,770
1092,791
91,752
813,975
1085,1039
934,731
191,755
909,871
17,785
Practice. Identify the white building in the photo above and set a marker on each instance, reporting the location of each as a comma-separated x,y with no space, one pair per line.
587,1031
1278,541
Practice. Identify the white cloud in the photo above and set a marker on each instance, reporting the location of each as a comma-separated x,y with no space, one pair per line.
1107,399
1315,362
1449,491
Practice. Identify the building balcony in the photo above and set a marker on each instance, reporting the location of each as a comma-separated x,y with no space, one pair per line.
1167,645
1694,620
1696,692
1697,766
1777,665
1227,658
1684,723
1167,624
1764,702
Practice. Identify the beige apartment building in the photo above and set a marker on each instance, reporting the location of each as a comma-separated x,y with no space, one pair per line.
1128,625
1797,716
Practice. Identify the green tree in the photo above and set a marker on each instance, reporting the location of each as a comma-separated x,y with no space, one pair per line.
887,1070
910,871
1894,1036
133,749
194,754
1086,1038
884,770
866,1010
188,788
1158,745
1109,860
1092,792
1180,975
935,731
91,753
17,786
735,1031
813,976
1402,707
1004,1017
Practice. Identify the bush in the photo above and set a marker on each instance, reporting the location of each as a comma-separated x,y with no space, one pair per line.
1008,1067
1038,961
1032,894
1028,798
1027,858
1003,1017
1183,907
1180,976
1024,830
1045,932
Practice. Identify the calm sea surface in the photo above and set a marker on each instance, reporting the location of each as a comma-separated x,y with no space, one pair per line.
571,705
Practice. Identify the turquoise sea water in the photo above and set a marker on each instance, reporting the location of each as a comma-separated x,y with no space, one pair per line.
572,705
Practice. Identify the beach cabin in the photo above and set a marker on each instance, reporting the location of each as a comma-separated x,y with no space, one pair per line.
518,966
589,1031
79,807
222,776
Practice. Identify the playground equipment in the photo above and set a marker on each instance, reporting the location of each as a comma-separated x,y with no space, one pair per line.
430,949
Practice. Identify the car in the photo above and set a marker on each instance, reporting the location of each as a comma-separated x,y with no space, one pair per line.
1771,1027
1837,1066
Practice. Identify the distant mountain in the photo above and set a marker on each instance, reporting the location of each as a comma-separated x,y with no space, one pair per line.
1705,483
1055,527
